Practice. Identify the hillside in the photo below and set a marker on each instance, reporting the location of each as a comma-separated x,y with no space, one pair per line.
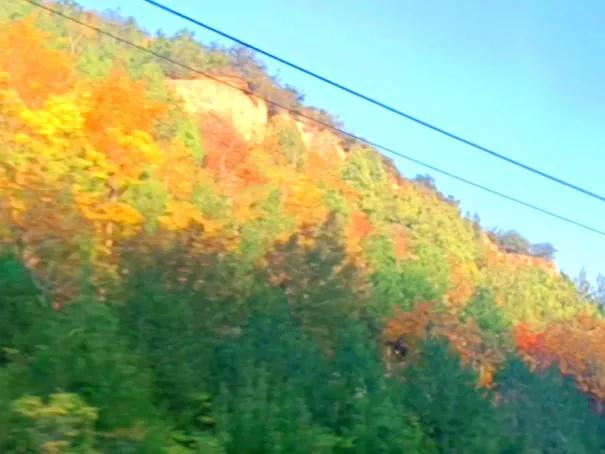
186,268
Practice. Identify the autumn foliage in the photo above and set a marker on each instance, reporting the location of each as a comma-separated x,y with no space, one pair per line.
281,270
31,66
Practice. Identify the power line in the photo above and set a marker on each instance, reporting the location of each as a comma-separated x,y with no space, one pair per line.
380,104
319,122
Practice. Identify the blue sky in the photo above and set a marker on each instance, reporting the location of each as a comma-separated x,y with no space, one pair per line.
526,78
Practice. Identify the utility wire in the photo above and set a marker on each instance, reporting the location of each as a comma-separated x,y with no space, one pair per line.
319,122
380,104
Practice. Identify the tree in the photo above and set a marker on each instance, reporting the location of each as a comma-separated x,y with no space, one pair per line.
184,48
544,412
322,286
510,241
69,352
426,181
64,424
35,70
443,395
490,320
543,250
601,289
288,141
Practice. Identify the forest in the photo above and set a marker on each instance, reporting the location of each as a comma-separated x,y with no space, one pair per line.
193,267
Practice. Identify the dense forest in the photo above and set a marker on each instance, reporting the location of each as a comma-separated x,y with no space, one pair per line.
187,268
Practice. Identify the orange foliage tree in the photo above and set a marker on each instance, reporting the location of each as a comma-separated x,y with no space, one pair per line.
34,69
575,346
425,319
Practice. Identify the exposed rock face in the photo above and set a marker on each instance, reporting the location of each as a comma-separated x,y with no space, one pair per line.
320,139
249,116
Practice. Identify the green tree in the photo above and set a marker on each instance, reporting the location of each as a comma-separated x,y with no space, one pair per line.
289,141
82,351
183,47
545,413
443,394
494,326
63,424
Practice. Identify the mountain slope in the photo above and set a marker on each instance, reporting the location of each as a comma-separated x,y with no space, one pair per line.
266,284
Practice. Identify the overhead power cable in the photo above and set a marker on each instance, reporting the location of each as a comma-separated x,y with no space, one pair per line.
380,104
319,122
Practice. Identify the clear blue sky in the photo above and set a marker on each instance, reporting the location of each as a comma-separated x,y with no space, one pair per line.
525,77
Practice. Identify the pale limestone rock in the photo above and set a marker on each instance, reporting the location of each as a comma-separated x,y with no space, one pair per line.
249,115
